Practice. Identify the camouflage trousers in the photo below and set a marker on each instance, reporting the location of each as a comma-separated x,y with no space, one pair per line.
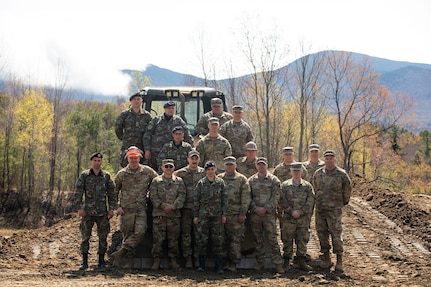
328,222
166,228
265,233
235,233
213,226
188,231
295,229
103,228
133,225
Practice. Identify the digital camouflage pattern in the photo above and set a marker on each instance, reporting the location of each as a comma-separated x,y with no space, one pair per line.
202,125
247,168
177,153
311,169
215,149
238,134
282,171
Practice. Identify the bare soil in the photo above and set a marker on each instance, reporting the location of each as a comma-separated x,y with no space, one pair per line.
387,237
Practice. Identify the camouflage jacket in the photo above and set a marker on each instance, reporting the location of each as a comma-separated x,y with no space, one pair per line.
177,153
210,198
190,179
167,191
159,132
333,188
282,171
130,128
238,193
132,186
296,196
265,192
311,169
238,134
247,168
93,192
202,125
214,148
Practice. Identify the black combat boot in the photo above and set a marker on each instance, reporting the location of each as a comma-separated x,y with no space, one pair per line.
84,264
202,259
102,262
218,264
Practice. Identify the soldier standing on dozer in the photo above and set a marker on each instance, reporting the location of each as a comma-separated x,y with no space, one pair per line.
94,190
333,189
132,184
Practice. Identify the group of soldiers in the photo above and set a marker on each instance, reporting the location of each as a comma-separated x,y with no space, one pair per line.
208,192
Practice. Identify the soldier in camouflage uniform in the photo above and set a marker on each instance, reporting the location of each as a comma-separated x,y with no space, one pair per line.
237,132
131,125
282,170
132,183
177,149
238,194
247,164
213,146
94,190
333,189
216,111
159,132
314,162
297,202
210,207
167,193
265,193
190,174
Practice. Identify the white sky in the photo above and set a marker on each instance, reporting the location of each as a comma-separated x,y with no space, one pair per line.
94,39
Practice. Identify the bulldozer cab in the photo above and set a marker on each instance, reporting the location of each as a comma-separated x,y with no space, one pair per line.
191,102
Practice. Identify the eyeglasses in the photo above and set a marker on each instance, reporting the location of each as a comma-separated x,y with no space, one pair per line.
169,166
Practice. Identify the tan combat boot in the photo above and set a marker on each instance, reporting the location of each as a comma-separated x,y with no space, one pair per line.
174,264
303,265
189,262
325,261
156,264
279,268
118,255
339,265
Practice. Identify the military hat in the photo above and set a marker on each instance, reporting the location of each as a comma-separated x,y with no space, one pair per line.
296,166
287,150
216,102
134,95
313,147
168,161
237,108
262,159
209,164
229,160
193,152
213,120
329,152
250,146
177,128
169,104
133,151
96,154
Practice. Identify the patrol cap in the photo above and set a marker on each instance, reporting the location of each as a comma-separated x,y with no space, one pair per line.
237,108
133,151
262,160
287,150
250,146
169,104
134,95
296,166
216,102
177,128
213,120
209,164
168,161
229,160
193,152
329,152
96,154
313,147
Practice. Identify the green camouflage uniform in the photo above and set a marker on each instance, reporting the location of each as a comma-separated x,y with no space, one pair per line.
265,192
239,196
238,134
210,204
214,148
92,193
311,169
130,128
132,188
247,168
299,197
191,179
282,171
167,225
333,190
177,153
202,125
159,132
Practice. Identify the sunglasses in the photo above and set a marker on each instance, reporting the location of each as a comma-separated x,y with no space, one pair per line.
169,166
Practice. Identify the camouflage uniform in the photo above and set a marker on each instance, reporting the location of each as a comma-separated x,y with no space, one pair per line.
92,193
238,134
210,204
296,196
311,169
333,190
130,128
132,187
202,125
159,132
167,226
247,168
190,178
214,148
282,172
238,196
265,192
177,153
